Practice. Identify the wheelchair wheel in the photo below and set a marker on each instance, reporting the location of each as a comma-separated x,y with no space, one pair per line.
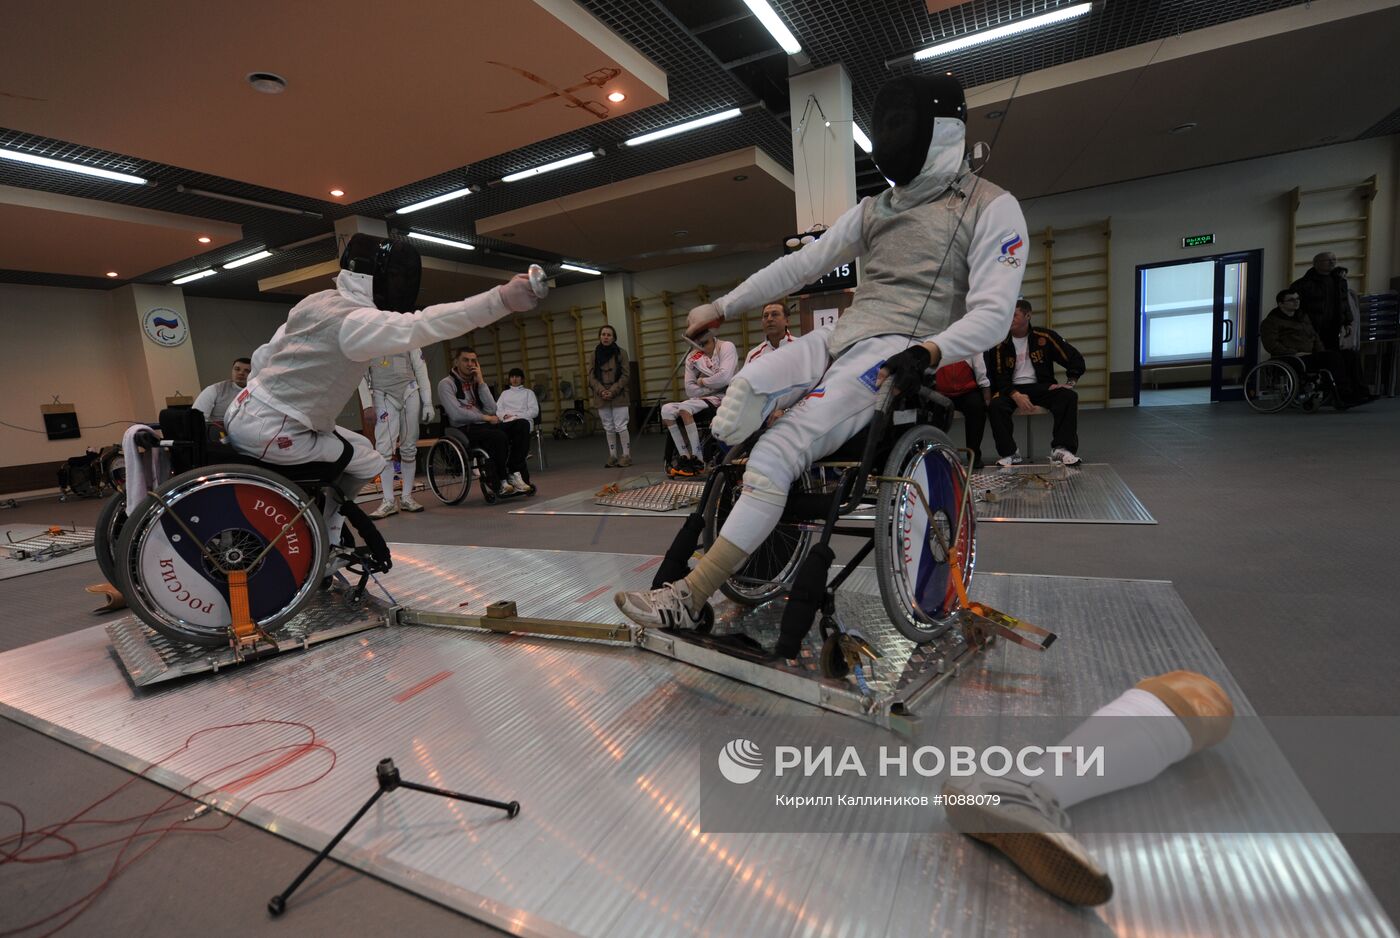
449,473
572,424
228,515
1269,387
768,572
108,532
911,562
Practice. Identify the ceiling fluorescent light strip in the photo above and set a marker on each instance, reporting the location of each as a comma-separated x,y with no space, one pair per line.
20,156
1001,32
582,270
239,200
247,260
199,276
682,128
861,139
435,200
444,241
776,28
549,167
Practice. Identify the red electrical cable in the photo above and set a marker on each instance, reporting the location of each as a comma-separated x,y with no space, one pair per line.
288,754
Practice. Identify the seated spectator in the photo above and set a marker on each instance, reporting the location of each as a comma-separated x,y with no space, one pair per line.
775,331
1022,374
518,402
214,400
468,405
707,373
965,383
1287,330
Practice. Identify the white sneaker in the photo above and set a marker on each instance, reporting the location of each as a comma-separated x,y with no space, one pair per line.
1013,460
1030,827
667,607
1061,455
406,503
506,489
384,510
520,484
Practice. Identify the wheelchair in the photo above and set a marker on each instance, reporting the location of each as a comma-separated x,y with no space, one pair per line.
711,450
1285,381
220,548
453,461
923,536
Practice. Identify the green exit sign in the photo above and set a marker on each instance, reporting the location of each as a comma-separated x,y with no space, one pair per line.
1197,241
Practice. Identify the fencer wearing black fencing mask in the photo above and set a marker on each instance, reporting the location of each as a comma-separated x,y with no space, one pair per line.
394,267
902,124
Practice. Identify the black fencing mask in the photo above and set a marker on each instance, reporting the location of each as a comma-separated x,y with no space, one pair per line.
394,266
901,125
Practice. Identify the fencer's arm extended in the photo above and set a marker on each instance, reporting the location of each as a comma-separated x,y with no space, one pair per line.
367,332
993,284
420,374
838,244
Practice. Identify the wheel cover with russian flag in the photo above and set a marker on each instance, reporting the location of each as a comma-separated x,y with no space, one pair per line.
225,521
922,572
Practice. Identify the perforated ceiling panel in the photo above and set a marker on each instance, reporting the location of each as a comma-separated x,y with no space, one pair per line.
715,57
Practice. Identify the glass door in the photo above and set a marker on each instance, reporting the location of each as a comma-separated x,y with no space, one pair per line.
1235,321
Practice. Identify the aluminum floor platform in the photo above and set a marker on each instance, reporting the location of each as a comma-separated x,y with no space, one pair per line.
1090,493
41,548
600,747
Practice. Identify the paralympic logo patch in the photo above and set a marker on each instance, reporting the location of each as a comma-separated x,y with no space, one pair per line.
165,327
1010,244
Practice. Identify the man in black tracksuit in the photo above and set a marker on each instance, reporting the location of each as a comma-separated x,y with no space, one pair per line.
1022,373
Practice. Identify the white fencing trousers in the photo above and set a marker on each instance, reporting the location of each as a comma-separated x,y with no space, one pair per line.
613,417
256,429
673,409
397,419
825,405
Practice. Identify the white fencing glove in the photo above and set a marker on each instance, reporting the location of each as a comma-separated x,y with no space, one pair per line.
518,295
701,320
428,414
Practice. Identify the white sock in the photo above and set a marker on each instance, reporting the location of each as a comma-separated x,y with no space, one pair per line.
408,469
624,436
1135,750
692,433
678,438
612,442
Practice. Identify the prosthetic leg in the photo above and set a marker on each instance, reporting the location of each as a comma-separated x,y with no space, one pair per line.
1030,825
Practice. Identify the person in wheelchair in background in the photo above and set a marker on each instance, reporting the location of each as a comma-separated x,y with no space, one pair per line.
314,362
468,406
944,257
1287,332
708,371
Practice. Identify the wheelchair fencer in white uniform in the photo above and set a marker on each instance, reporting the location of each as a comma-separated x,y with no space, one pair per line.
944,254
220,550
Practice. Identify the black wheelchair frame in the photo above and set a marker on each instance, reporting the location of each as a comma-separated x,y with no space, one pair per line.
1285,381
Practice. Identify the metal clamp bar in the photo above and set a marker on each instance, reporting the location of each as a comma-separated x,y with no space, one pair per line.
597,631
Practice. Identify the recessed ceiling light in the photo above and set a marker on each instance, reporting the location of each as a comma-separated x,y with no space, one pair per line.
617,97
337,192
739,177
19,156
993,115
247,259
680,233
267,82
111,273
1185,128
204,239
196,276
